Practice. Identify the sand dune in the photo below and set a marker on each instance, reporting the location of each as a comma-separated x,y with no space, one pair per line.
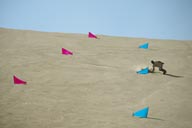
96,87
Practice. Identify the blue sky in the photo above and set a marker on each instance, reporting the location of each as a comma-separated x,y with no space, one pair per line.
161,19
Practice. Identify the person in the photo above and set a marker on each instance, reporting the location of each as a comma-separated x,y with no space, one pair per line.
158,64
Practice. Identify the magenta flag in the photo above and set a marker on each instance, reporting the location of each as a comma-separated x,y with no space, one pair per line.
91,35
66,52
18,81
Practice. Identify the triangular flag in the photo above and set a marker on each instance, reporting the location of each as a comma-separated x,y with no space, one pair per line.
91,35
143,71
18,81
144,46
66,52
143,113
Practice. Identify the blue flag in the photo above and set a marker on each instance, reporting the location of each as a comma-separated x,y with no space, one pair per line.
143,113
143,71
145,46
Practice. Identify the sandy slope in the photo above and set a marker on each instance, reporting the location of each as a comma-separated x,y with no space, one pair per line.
97,87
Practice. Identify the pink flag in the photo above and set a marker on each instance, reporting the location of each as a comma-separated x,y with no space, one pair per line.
66,52
18,81
91,35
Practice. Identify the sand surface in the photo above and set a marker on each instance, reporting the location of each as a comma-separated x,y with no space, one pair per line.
97,87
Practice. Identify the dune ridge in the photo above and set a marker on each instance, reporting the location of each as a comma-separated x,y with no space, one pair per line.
95,87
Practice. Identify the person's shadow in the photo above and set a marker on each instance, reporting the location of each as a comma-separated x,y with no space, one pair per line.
173,75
